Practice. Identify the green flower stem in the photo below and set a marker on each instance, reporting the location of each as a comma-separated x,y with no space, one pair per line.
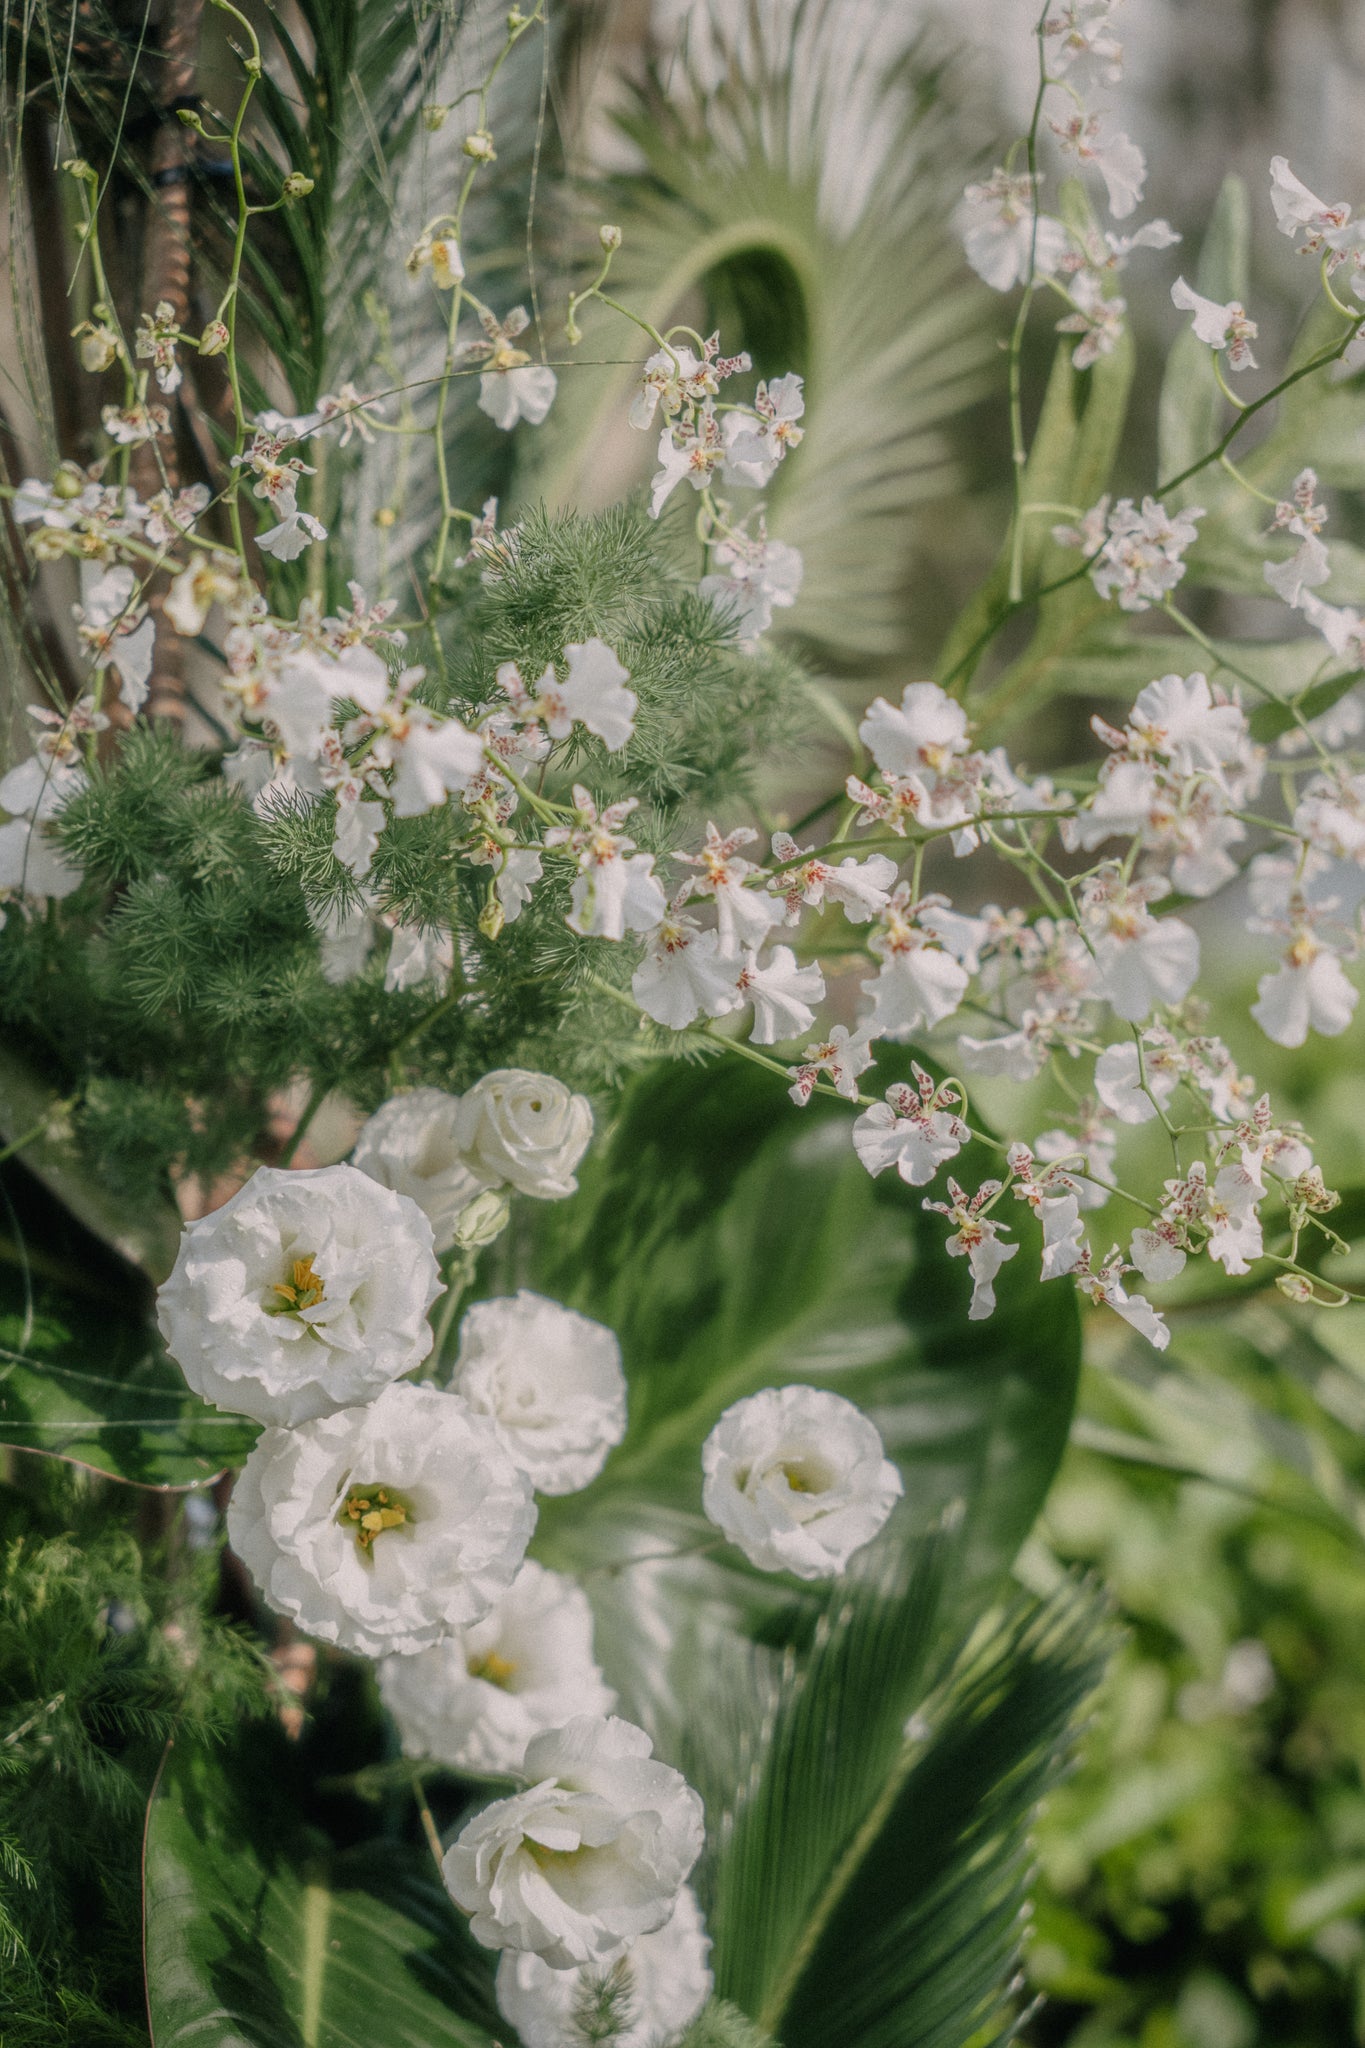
1018,447
227,311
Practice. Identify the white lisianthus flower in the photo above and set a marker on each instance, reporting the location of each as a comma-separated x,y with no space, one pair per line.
475,1699
552,1382
411,1144
526,1129
664,1976
305,1293
593,1854
798,1479
383,1528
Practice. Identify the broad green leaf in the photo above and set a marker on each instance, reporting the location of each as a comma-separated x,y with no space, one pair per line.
85,1377
734,1242
149,1237
258,1934
1193,411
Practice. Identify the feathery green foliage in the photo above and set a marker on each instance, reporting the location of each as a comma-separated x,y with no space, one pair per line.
103,1654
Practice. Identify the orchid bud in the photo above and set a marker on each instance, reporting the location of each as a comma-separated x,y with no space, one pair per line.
491,918
99,348
434,118
214,339
610,238
296,186
1295,1287
69,481
479,145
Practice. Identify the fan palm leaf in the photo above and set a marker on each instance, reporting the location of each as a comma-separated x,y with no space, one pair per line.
802,196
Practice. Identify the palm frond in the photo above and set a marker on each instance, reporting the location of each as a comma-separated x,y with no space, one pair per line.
802,197
872,1877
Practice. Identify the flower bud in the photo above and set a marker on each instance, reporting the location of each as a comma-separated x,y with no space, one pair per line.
486,1218
99,348
573,331
515,19
1295,1287
69,481
296,186
491,918
77,167
385,517
189,119
479,145
434,118
610,238
214,339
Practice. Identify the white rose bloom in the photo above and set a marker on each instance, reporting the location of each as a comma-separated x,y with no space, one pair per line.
525,1129
410,1144
593,1854
552,1382
383,1528
305,1293
798,1479
475,1699
664,1976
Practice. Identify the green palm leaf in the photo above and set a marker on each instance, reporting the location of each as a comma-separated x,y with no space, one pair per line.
874,1860
922,1936
803,198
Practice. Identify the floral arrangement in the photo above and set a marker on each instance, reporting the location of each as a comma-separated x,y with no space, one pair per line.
471,852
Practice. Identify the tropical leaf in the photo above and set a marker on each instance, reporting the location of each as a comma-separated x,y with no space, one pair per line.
837,1734
259,1932
865,1874
917,1942
85,1377
798,184
733,1242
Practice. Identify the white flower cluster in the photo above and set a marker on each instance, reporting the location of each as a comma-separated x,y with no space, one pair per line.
706,443
379,1515
512,1130
1010,241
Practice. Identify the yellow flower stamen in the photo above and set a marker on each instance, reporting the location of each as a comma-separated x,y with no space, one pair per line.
493,1669
370,1510
303,1289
